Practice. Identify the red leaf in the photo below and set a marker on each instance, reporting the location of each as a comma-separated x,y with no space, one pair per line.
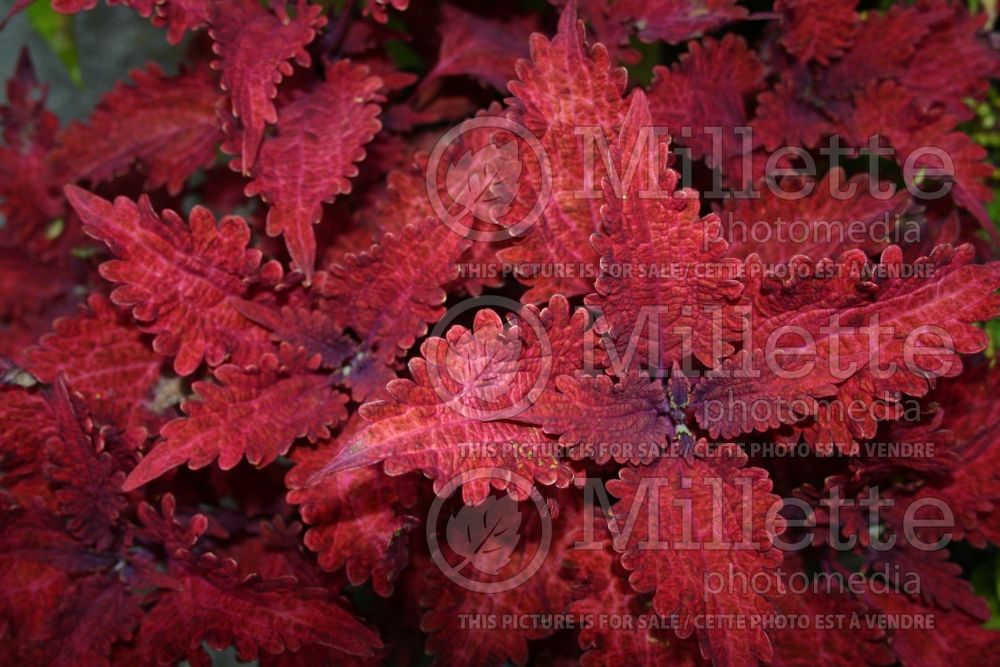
356,519
468,387
94,613
179,16
887,110
169,124
972,489
29,196
837,627
178,279
26,121
26,423
731,516
824,223
589,413
38,562
599,589
457,619
964,62
73,6
707,92
817,29
86,477
312,330
388,295
661,233
255,412
29,286
309,161
884,45
484,49
957,639
163,528
481,163
378,9
831,302
786,116
213,604
674,21
566,85
254,46
940,581
99,352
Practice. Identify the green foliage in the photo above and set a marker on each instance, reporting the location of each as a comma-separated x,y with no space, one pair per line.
57,31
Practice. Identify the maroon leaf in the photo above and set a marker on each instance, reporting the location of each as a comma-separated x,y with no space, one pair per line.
169,124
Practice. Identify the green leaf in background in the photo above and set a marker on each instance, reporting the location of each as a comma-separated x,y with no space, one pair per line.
988,6
993,331
986,580
57,31
984,129
650,55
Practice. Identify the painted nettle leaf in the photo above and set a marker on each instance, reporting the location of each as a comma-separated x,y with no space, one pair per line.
422,332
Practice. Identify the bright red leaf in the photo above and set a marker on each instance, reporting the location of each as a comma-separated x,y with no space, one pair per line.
715,517
273,403
254,46
309,161
178,278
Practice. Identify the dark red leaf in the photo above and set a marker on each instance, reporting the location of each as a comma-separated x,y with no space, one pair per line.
215,605
654,302
481,48
564,87
674,21
356,518
848,361
100,352
706,94
168,124
817,29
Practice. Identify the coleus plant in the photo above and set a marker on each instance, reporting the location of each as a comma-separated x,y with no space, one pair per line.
246,304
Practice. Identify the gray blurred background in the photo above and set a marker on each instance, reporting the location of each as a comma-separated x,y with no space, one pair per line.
110,41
